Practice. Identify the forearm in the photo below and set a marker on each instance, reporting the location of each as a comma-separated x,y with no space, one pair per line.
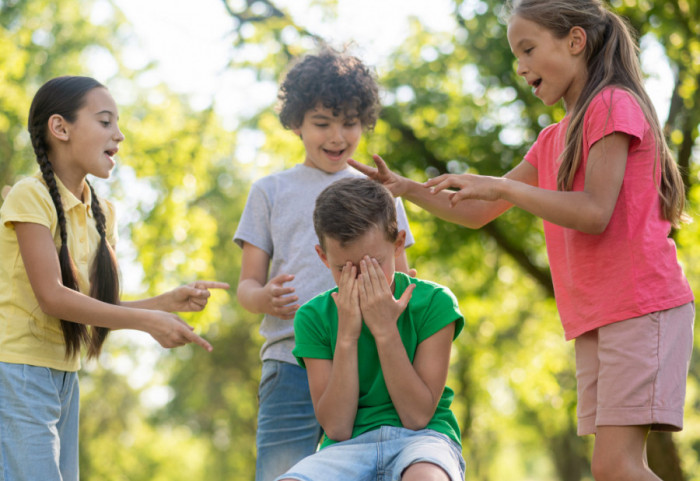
411,397
470,213
337,407
251,296
65,303
160,302
574,210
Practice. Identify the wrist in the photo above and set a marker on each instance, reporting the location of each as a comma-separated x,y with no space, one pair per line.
386,335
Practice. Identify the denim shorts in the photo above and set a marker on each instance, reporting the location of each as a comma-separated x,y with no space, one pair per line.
380,455
38,423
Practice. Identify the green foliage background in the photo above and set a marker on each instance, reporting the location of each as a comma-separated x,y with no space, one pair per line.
451,102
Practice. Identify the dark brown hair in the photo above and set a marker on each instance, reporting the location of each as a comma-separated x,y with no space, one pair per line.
64,96
611,56
350,207
339,82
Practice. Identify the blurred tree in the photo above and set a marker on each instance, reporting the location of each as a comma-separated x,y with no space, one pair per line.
453,103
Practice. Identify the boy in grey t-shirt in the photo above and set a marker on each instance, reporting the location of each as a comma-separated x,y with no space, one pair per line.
328,100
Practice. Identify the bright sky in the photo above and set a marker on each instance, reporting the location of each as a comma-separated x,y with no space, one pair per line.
191,42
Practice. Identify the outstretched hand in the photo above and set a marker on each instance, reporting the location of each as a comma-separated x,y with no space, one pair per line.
193,297
171,331
466,186
396,184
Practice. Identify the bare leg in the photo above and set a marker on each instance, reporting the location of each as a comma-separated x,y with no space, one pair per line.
619,454
424,472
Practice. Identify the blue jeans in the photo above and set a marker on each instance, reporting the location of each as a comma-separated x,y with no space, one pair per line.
38,423
287,426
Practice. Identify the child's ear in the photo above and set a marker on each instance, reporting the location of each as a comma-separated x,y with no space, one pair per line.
58,127
399,243
322,255
577,40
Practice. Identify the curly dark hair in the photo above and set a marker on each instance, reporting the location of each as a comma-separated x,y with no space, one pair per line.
338,81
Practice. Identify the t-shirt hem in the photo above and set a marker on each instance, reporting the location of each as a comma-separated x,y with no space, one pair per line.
48,363
629,314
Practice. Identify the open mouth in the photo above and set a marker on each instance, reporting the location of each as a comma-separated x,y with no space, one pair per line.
334,153
111,153
536,83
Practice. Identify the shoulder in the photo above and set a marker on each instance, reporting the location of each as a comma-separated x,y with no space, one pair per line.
29,200
28,190
614,99
432,305
318,304
29,186
426,293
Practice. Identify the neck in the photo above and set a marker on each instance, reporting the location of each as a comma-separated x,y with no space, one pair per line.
73,181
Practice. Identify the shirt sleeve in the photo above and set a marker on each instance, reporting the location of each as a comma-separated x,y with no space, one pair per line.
614,110
254,226
29,201
311,336
442,311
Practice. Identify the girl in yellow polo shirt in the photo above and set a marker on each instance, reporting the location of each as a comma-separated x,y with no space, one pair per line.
59,286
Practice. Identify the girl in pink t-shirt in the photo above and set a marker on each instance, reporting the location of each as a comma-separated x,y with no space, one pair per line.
605,184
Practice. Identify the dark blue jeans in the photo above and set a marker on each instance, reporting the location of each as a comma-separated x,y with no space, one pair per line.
287,427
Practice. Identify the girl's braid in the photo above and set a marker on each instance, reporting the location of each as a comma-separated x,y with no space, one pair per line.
74,334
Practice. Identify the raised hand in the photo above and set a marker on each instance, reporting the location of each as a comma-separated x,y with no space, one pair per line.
396,184
347,301
192,297
380,310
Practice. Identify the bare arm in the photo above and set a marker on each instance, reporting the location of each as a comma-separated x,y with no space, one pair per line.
258,295
473,214
587,211
191,297
334,384
41,263
415,388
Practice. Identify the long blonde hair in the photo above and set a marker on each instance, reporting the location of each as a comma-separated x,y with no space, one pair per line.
611,55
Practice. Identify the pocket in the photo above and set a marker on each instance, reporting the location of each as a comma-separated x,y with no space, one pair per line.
269,379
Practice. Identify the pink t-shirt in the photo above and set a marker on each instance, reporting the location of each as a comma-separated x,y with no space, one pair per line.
631,269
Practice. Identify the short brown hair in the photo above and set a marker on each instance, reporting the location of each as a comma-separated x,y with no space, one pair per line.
349,208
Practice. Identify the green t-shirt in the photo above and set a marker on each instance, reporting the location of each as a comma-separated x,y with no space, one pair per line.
431,308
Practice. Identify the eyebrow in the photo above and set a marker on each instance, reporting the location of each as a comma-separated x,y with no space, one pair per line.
108,112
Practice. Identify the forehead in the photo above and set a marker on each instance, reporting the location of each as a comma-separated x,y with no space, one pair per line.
372,244
321,112
522,30
99,100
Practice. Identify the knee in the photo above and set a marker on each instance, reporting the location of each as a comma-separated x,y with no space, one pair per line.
424,472
607,468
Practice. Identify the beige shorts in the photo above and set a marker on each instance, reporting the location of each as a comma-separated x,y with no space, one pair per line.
633,372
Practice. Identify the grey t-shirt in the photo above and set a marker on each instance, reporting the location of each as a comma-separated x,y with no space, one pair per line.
278,218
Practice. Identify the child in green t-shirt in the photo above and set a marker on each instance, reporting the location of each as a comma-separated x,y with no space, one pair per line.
376,350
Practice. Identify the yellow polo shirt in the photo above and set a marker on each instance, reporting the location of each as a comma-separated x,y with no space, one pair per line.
27,335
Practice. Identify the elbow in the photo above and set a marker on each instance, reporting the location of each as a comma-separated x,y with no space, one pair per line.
49,305
596,225
337,433
417,422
